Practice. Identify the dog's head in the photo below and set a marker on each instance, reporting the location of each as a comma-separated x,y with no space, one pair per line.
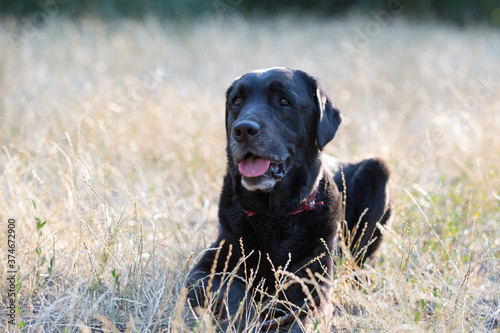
277,122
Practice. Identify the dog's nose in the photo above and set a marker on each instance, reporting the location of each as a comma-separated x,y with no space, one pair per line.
245,130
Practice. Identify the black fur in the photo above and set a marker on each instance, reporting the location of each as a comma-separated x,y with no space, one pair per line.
367,202
283,116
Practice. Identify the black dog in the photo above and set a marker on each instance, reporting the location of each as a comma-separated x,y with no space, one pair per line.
281,204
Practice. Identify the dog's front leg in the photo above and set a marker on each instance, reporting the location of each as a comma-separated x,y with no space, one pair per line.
229,299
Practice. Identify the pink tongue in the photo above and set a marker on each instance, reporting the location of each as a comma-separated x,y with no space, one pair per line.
253,166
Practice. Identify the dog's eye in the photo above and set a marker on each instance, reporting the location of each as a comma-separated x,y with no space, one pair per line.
284,102
236,101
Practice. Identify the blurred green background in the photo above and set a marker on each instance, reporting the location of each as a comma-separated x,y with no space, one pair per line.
462,12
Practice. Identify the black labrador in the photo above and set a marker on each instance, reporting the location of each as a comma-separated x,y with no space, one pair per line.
281,206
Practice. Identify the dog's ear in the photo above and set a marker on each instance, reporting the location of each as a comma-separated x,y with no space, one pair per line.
228,92
328,118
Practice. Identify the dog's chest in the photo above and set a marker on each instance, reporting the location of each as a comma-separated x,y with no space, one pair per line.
271,233
280,239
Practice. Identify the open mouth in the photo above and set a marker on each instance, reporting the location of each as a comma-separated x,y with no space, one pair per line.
252,166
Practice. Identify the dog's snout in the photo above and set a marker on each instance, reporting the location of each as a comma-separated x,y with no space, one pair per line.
245,130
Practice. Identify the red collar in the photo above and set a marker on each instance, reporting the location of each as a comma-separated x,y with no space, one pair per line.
309,205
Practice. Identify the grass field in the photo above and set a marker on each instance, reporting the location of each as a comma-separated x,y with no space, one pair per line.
113,152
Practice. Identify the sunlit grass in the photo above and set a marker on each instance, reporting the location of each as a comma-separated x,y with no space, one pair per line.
113,153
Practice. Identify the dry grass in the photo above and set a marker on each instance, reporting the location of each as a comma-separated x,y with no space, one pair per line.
112,133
